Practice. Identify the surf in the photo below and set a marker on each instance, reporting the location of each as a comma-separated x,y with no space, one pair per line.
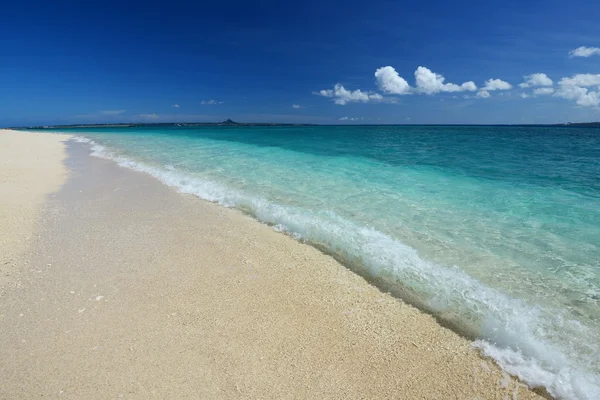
529,341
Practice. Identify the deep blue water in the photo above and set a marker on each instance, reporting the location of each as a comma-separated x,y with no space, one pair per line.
495,230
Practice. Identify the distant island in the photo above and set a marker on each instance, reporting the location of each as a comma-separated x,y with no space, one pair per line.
229,122
584,124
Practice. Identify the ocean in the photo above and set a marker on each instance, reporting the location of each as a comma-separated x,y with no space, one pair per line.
493,230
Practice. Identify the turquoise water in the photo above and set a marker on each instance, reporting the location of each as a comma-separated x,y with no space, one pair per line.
494,230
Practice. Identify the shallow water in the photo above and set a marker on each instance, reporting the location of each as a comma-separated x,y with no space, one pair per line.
492,229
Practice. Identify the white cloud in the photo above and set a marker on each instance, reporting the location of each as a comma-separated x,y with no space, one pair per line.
496,84
470,86
543,91
210,102
342,96
426,81
581,80
175,106
389,81
491,85
296,106
537,79
524,95
147,116
580,95
113,112
429,82
576,89
585,51
351,118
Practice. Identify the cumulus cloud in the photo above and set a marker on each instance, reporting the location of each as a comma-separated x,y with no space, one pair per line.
585,51
342,96
581,80
210,102
524,95
296,106
496,84
576,88
543,91
537,79
389,81
430,83
175,106
581,96
469,86
113,112
491,85
426,81
351,118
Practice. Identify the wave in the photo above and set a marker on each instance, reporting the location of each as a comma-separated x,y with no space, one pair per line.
532,343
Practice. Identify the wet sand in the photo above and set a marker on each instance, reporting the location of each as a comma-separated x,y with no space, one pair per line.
129,289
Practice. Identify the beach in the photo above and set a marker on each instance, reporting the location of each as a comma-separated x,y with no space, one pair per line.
31,167
115,285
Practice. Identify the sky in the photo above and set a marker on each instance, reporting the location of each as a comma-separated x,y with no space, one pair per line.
325,62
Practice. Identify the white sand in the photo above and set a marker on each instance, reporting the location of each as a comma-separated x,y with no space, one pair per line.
30,169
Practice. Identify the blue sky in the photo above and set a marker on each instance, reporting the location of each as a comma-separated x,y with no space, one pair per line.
309,61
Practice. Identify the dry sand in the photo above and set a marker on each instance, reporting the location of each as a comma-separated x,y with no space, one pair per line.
135,291
30,168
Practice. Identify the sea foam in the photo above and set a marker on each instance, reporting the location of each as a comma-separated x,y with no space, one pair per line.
518,336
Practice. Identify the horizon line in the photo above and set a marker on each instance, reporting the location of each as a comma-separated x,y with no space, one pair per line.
235,123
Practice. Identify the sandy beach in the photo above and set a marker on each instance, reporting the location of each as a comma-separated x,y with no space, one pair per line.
116,286
30,168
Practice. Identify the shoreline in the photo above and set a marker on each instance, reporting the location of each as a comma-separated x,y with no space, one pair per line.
256,312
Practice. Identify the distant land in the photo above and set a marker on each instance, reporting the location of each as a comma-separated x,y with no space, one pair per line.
230,122
227,122
587,124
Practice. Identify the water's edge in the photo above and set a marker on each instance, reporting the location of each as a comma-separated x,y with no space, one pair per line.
560,383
